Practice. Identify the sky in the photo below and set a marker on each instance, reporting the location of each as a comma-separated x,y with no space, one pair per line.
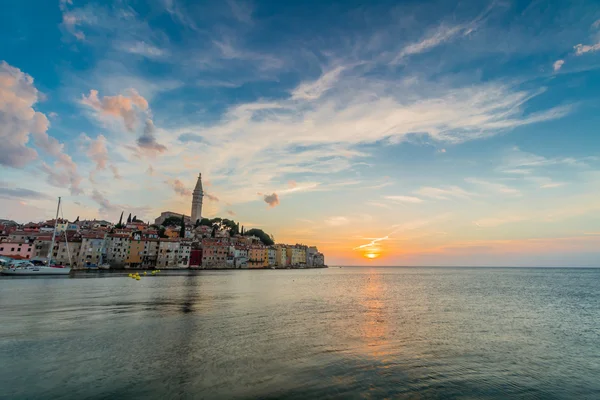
384,132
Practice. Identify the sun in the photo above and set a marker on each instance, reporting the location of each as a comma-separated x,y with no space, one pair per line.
371,255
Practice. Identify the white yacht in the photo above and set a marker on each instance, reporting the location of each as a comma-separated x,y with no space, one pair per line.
23,267
27,268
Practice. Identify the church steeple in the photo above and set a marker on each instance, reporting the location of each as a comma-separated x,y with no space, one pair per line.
197,196
198,187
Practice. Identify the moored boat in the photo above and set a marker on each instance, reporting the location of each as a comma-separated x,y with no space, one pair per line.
37,268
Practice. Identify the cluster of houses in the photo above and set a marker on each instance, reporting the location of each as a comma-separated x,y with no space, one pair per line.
88,243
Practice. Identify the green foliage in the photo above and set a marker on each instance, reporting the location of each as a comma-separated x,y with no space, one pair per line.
120,224
171,221
213,233
182,230
205,222
129,218
264,237
161,232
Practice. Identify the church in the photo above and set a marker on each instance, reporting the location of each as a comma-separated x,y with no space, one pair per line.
196,213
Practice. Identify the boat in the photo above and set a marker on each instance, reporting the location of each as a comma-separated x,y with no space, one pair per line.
24,267
27,268
104,266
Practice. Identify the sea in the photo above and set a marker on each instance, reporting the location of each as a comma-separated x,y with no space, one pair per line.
336,333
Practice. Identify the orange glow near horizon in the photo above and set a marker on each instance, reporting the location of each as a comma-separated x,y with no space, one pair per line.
371,255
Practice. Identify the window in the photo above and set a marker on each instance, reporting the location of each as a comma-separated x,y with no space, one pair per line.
29,249
12,249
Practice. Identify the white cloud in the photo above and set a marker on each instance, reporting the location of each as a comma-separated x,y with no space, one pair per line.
445,193
19,121
142,48
337,221
552,185
314,90
125,106
404,199
558,65
493,186
581,49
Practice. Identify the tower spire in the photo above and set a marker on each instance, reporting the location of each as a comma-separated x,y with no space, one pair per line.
197,196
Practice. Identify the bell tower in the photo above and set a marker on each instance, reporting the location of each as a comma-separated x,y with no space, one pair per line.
197,196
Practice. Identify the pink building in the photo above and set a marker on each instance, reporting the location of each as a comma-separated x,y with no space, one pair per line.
16,249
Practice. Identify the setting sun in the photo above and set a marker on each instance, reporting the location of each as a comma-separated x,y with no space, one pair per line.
371,255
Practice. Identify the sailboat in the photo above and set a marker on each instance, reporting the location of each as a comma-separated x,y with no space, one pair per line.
28,268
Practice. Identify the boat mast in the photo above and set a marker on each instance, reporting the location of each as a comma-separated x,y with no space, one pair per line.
53,234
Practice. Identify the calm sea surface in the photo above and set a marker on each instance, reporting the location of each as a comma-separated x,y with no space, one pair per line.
414,333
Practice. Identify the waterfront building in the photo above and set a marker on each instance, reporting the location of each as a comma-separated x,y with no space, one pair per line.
214,253
280,256
319,260
185,252
92,247
167,253
150,256
42,246
67,253
117,248
197,197
240,255
135,252
296,256
256,256
17,249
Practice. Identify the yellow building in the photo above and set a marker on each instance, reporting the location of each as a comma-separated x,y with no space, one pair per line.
280,256
172,233
296,256
136,253
256,255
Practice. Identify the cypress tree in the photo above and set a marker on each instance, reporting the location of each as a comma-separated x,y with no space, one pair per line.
182,230
129,218
120,220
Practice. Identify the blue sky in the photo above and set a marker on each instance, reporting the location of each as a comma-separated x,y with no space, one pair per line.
410,133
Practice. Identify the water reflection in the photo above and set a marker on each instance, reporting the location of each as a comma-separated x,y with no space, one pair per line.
374,323
345,333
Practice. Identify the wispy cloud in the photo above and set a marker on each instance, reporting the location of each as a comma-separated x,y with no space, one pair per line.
404,199
337,221
493,186
445,193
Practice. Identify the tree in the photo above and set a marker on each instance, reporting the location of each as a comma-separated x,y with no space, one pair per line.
172,221
129,219
264,237
197,223
119,225
182,230
134,219
205,222
161,232
238,228
77,220
214,231
243,230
